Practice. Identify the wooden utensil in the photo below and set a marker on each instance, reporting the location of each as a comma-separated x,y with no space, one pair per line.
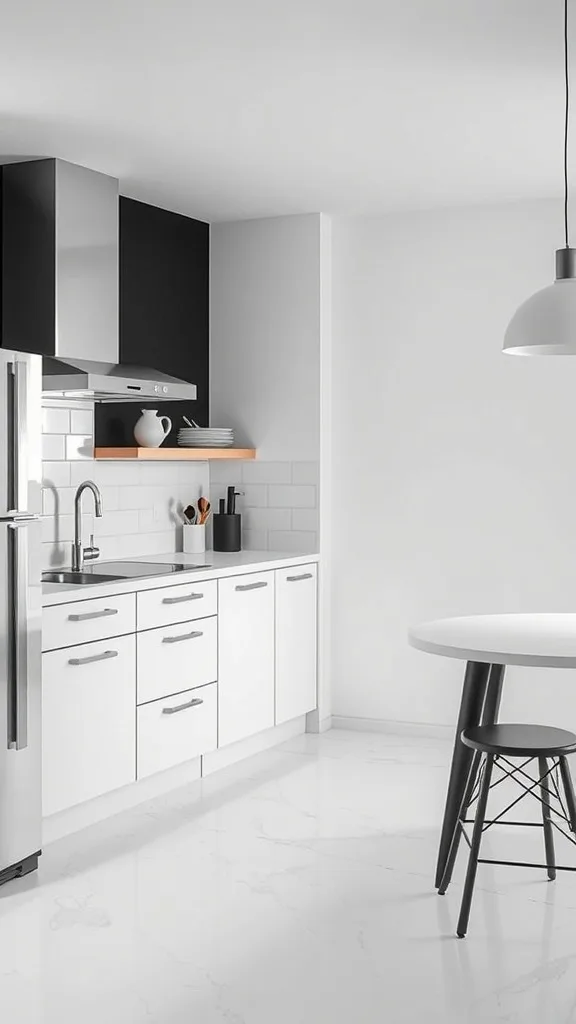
203,510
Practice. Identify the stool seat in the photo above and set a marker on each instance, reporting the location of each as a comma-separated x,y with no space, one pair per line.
520,740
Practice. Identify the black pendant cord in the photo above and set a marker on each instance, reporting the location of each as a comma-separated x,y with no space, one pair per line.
566,117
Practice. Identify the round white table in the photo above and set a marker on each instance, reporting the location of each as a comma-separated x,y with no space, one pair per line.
488,643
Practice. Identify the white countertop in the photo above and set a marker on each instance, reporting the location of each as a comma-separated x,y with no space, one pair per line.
545,639
218,564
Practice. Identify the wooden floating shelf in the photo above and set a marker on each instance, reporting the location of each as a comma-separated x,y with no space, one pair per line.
175,454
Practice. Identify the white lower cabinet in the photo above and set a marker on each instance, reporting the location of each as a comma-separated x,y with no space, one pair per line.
176,729
88,730
295,642
207,666
245,656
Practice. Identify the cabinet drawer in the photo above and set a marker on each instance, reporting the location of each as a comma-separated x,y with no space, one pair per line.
176,729
88,726
176,658
83,621
177,604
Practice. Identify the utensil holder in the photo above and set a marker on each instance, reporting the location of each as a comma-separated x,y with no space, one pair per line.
227,532
193,538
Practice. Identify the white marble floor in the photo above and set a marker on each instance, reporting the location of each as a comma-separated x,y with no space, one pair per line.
295,888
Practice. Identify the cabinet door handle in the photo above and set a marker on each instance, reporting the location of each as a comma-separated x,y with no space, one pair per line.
84,616
179,600
251,586
184,636
182,707
302,576
105,656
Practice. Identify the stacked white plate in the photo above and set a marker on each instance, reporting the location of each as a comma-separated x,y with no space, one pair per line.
205,437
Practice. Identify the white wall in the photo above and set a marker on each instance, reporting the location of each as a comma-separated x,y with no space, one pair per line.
264,328
454,466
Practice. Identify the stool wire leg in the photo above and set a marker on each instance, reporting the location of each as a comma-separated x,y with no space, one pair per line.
569,791
489,716
475,848
547,818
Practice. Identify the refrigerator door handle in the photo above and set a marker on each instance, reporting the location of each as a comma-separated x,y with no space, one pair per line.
19,432
18,688
21,435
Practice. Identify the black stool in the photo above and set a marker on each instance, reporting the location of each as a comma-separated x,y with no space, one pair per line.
499,743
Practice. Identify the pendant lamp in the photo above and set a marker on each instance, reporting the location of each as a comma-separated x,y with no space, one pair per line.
545,325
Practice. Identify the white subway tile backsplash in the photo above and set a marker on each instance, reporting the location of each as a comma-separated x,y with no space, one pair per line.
255,540
193,473
267,519
292,542
57,501
135,547
159,473
141,500
305,473
225,472
113,524
79,446
56,474
53,447
60,529
55,555
291,496
136,497
146,521
82,421
55,421
252,495
104,473
266,472
278,503
110,498
305,519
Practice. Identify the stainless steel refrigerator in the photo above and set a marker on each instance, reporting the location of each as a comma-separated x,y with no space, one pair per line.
20,614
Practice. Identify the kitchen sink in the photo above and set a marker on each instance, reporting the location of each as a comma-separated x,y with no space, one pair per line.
82,578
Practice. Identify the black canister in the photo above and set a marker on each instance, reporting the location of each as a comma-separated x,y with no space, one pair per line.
227,532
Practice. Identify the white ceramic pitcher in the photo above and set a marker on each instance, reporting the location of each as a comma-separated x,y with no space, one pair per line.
151,429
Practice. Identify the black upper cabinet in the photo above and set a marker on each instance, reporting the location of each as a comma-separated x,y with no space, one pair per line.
164,280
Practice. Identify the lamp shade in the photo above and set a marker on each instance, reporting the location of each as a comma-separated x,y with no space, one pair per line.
545,325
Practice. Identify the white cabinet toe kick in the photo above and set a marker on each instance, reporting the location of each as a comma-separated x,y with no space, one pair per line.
138,684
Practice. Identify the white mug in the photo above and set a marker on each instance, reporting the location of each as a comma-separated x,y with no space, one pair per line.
193,538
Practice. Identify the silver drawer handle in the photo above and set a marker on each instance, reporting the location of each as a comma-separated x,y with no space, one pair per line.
84,616
179,600
251,586
303,576
182,707
184,636
105,656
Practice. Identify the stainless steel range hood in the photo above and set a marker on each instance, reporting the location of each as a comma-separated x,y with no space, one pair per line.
60,284
110,382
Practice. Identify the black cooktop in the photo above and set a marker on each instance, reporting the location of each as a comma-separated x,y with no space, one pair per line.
132,570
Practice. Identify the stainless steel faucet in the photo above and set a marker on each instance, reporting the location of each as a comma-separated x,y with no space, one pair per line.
80,554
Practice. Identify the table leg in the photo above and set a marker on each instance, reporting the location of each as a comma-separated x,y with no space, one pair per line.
471,704
489,716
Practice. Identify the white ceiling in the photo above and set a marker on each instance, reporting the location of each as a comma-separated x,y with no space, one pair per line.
243,108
